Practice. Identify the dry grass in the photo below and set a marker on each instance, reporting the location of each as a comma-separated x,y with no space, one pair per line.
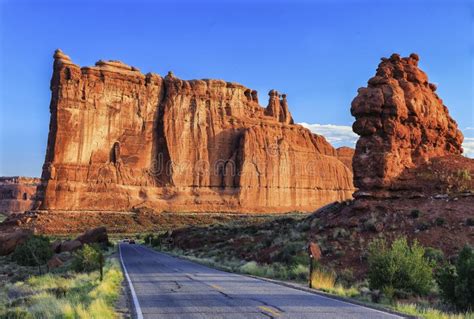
322,279
80,295
429,313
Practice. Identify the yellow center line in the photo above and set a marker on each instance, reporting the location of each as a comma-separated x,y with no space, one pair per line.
273,312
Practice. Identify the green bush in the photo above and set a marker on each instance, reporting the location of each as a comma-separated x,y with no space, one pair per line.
87,259
439,221
345,278
148,239
36,251
415,213
434,255
399,267
456,283
292,254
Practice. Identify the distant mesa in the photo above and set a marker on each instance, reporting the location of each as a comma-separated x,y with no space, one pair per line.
17,193
120,139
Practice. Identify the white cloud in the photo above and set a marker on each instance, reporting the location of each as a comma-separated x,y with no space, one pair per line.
342,135
337,135
468,146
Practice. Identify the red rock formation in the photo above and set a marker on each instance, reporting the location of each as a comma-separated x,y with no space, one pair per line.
17,194
402,124
121,139
345,155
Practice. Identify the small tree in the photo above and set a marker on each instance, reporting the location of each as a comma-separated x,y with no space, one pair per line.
36,251
89,258
399,267
456,283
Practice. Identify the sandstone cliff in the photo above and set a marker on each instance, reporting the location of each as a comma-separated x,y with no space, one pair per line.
402,124
120,139
17,194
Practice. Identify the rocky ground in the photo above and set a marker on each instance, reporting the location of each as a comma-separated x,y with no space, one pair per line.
138,221
343,231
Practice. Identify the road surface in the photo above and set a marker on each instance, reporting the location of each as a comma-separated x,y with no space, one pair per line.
170,288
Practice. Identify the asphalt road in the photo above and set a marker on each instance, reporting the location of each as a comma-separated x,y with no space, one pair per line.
168,287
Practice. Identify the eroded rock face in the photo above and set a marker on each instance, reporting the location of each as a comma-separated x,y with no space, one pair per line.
345,155
402,123
17,194
120,139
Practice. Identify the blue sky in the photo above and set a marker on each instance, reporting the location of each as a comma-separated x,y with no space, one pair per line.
317,52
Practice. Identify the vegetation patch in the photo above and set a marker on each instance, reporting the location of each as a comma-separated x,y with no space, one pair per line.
36,251
72,291
399,267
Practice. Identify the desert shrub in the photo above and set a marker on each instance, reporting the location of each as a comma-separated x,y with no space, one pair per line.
147,239
439,221
293,253
456,283
399,266
470,222
299,272
303,226
422,226
87,259
370,224
434,255
35,251
158,239
463,175
415,213
346,278
252,268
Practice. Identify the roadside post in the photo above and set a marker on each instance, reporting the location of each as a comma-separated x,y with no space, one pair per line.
314,255
101,265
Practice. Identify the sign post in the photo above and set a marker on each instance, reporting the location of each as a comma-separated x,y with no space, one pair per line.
314,254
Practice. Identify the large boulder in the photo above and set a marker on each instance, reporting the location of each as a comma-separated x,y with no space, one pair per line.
96,235
402,124
70,245
55,262
56,246
10,240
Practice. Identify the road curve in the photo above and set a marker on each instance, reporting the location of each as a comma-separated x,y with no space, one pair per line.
171,288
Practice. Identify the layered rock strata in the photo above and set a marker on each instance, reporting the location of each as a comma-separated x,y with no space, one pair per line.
402,124
120,139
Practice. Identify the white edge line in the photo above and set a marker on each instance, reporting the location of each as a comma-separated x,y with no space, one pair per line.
354,304
138,309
